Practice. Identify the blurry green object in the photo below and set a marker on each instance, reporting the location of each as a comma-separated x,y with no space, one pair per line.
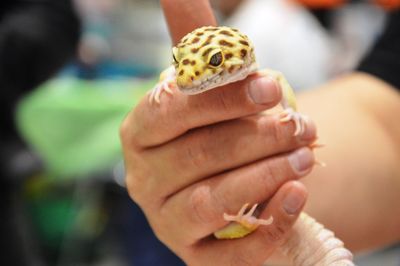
74,124
52,212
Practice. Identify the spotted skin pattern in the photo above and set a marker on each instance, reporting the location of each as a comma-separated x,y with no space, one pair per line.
210,57
210,54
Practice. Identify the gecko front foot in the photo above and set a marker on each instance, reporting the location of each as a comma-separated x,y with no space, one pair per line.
299,120
166,83
247,220
156,92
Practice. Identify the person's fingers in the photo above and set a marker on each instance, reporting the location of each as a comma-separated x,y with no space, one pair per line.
199,208
153,124
210,150
254,249
183,16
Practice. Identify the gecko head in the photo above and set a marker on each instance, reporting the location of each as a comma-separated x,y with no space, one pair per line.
210,57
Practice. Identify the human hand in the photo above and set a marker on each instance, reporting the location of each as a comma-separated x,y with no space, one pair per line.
192,158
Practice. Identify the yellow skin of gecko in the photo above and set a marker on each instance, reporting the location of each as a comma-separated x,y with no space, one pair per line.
210,57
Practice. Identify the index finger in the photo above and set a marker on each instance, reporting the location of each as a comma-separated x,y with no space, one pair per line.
154,124
183,16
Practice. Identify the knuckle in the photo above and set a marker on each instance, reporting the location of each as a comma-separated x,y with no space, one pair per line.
132,187
278,131
241,258
200,205
275,171
224,100
144,194
275,129
197,153
263,178
128,132
277,231
274,234
269,175
139,180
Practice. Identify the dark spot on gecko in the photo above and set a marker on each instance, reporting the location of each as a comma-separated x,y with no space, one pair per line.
243,53
200,33
206,52
197,73
196,40
226,33
207,42
181,72
244,42
194,50
186,62
211,29
235,30
231,68
210,37
193,62
225,43
228,56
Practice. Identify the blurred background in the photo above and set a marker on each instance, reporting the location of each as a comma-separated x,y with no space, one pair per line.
62,176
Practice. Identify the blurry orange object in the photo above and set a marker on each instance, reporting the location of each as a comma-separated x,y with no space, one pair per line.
388,4
322,3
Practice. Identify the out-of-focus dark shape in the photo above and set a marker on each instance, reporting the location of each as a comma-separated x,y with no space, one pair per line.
36,38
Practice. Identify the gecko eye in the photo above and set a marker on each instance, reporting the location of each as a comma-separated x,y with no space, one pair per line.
216,59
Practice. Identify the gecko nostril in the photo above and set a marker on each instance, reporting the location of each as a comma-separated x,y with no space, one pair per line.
191,78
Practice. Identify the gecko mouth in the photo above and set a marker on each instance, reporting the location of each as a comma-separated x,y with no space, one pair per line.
219,79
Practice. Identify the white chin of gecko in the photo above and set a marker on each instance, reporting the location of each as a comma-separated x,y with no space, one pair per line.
219,79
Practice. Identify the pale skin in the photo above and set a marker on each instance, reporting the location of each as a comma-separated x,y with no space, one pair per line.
174,168
362,182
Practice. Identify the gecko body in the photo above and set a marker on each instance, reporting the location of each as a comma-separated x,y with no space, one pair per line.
209,57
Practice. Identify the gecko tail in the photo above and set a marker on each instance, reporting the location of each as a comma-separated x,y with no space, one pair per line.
311,244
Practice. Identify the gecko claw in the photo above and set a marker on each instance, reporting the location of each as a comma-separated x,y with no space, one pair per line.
317,145
319,163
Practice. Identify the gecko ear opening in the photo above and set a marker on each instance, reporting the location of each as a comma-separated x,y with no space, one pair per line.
216,59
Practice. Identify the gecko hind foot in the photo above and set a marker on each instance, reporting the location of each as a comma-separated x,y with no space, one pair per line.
247,219
299,120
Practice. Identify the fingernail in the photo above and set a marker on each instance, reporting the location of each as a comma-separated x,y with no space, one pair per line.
263,90
293,202
301,160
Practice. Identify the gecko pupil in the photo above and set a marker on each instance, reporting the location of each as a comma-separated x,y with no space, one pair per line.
216,59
